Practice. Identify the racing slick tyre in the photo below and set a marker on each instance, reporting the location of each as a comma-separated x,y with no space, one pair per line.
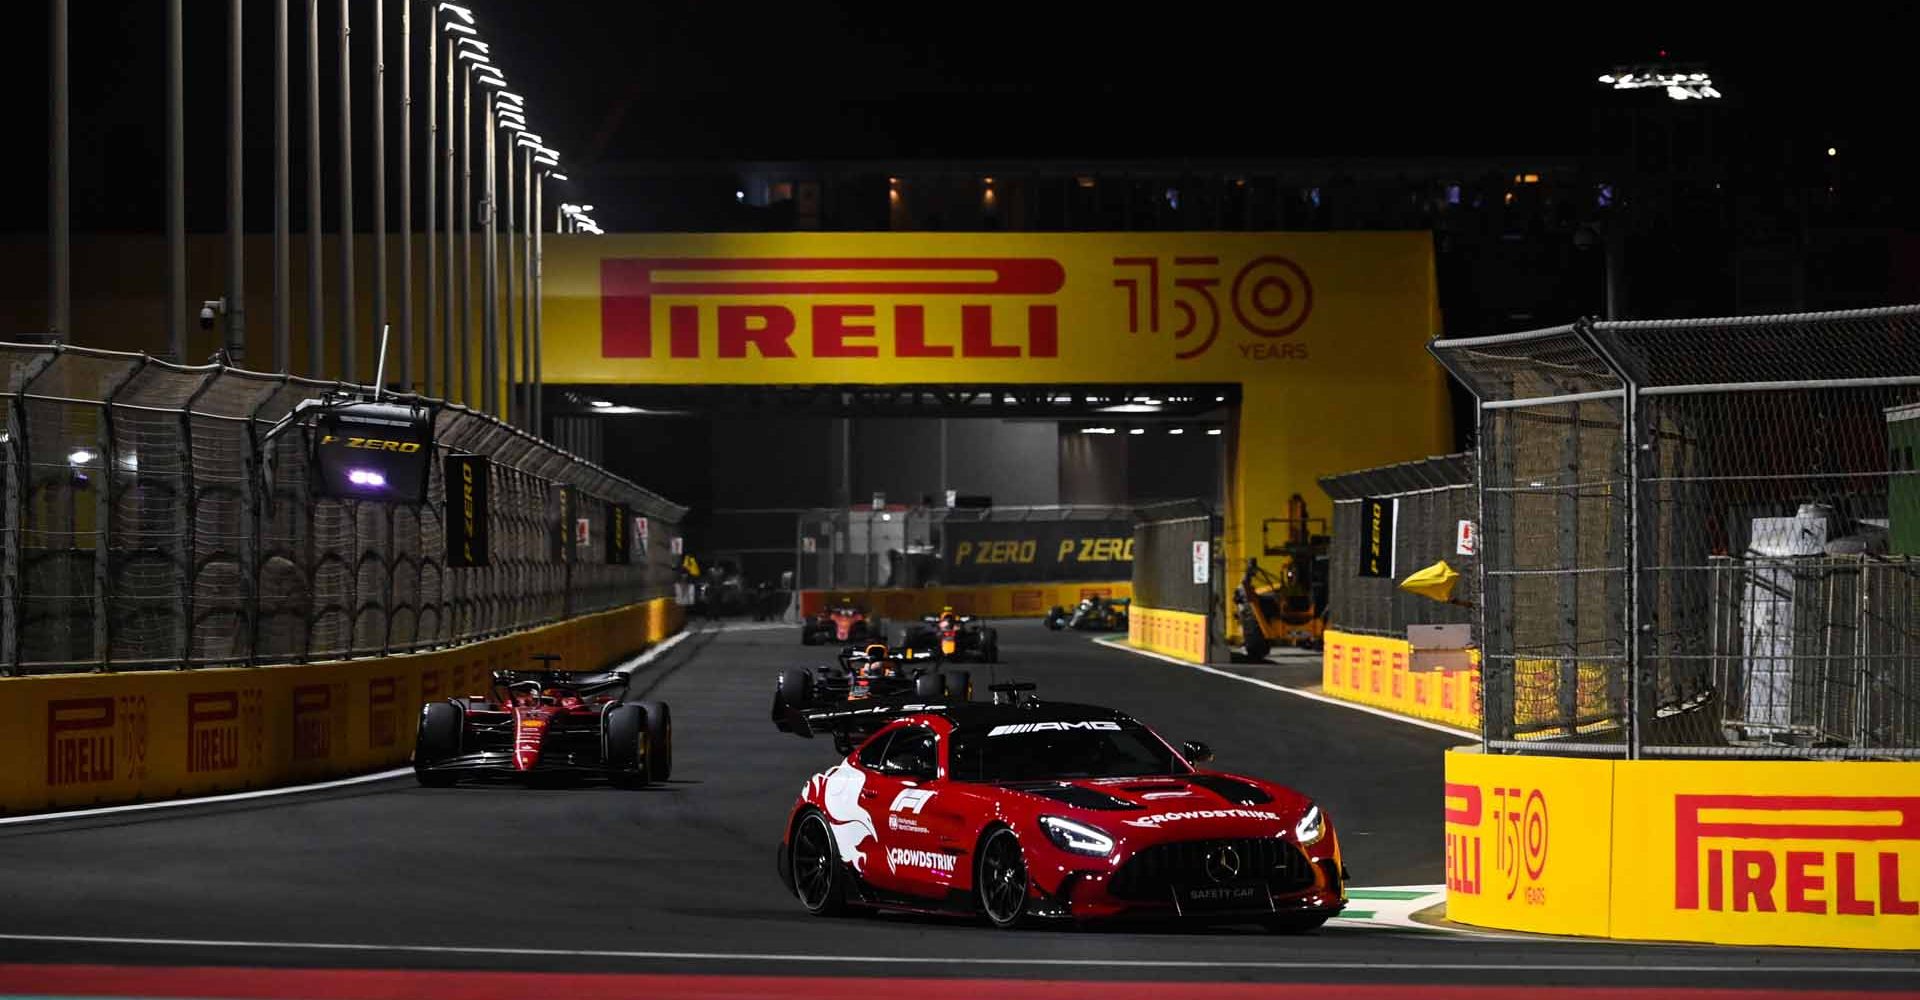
1256,641
794,689
438,739
626,761
1294,923
659,723
819,879
1000,878
1057,618
930,687
959,685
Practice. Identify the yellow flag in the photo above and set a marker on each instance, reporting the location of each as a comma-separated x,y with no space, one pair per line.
1435,582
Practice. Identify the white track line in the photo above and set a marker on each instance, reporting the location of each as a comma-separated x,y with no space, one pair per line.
625,668
1296,692
1738,965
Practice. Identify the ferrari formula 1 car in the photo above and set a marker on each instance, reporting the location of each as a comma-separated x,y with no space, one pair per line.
953,636
864,675
545,722
841,621
1094,614
1019,810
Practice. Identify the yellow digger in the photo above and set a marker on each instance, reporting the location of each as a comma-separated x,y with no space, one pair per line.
1288,608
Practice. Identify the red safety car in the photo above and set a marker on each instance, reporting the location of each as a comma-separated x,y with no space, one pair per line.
536,723
1021,809
841,621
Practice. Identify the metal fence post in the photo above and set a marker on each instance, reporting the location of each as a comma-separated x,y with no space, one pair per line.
103,518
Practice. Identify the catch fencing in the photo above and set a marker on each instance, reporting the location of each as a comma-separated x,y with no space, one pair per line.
140,531
1698,537
914,546
1432,496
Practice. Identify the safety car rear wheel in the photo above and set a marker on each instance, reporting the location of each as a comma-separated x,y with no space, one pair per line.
819,879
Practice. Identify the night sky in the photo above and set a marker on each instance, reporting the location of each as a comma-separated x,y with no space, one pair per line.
626,82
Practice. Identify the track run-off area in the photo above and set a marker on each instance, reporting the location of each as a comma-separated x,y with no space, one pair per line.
384,888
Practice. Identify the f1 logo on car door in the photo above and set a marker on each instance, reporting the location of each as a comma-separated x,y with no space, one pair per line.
910,800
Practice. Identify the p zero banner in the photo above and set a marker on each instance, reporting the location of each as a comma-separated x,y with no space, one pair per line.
1376,536
1032,552
466,478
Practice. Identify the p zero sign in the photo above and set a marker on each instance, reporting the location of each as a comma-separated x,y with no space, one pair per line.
467,511
1026,552
1377,547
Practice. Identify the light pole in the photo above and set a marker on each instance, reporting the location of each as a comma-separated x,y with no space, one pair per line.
316,309
406,194
282,194
59,280
468,56
490,281
236,220
511,120
541,158
455,32
176,190
435,342
379,317
347,367
530,144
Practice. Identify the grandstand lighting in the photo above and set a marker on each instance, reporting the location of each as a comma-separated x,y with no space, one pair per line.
459,29
600,404
1097,430
1138,430
478,45
557,177
1213,432
458,11
79,456
1685,86
1176,430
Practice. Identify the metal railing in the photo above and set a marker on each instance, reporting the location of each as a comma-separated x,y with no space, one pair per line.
1698,537
139,531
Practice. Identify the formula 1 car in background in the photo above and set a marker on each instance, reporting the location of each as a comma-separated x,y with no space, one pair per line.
1093,613
865,675
952,636
1020,810
545,722
841,621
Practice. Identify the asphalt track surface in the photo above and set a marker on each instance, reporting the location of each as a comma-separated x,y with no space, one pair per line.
679,881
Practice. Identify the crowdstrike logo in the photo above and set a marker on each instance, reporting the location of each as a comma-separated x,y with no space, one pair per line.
1154,821
930,860
1039,727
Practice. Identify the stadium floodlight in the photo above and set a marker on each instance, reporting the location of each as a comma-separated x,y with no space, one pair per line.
511,96
458,11
477,45
546,161
474,57
490,81
556,176
456,28
1687,83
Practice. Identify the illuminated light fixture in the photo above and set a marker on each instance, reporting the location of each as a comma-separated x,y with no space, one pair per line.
1097,430
366,477
1138,430
475,57
1219,399
1214,432
509,95
895,181
1687,86
532,139
739,196
987,180
1832,151
1085,181
79,456
458,11
491,81
1529,178
557,177
478,45
1176,430
600,404
1130,408
548,161
459,29
586,208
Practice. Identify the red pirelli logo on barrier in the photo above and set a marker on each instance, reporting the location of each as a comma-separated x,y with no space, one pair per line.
80,747
213,731
1784,853
312,722
383,712
957,320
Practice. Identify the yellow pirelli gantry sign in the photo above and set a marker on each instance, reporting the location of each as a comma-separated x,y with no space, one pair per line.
1324,333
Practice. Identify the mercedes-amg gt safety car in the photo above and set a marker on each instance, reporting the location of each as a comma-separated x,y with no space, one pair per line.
1021,809
545,722
953,636
867,674
841,621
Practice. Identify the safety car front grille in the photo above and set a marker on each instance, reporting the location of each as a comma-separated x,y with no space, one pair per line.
1153,871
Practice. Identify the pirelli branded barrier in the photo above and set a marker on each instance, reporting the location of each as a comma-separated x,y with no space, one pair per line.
1016,551
1821,853
90,739
1373,670
1021,600
1179,634
1316,329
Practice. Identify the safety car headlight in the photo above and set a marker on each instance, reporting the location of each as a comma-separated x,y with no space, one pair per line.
1311,827
1076,837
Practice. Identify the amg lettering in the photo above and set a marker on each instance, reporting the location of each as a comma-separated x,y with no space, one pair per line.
1015,729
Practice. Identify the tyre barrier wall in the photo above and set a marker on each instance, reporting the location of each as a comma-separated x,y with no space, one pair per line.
1179,634
1373,670
1008,600
97,739
1811,853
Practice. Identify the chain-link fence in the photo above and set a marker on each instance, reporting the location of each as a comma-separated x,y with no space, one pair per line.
1166,552
1698,537
1432,496
140,531
915,546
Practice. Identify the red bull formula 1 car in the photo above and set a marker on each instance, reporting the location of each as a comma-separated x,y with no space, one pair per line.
841,621
538,723
1021,810
867,675
952,636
